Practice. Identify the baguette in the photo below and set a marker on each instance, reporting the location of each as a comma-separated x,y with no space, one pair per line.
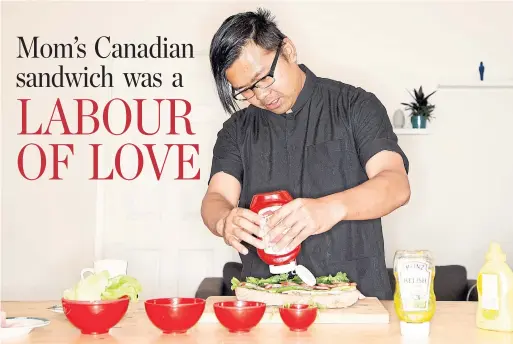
343,299
328,292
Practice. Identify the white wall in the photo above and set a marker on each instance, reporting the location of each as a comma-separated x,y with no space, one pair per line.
460,175
1,166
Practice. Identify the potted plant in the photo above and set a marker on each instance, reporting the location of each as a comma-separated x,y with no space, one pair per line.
421,109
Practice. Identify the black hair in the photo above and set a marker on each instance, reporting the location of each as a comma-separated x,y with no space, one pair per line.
227,43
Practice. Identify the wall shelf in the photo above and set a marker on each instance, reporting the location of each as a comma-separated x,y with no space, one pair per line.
411,131
505,84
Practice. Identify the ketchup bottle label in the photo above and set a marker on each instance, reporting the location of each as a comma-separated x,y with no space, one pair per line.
265,204
266,213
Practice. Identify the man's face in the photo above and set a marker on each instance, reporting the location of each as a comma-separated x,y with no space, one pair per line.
254,63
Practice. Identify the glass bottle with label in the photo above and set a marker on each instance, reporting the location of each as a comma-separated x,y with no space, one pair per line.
414,297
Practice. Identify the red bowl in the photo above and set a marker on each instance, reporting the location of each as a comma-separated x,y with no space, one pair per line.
298,317
95,317
239,316
174,315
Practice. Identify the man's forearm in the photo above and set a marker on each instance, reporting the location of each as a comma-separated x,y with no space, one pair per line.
373,199
214,208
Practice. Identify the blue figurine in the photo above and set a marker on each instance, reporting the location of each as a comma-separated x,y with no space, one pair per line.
481,70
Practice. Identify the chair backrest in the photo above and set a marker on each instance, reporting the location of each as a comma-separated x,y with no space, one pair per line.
451,283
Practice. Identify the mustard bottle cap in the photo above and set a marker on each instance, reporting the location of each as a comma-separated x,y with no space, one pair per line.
495,253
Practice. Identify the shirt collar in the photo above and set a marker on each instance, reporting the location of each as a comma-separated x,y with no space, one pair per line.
306,91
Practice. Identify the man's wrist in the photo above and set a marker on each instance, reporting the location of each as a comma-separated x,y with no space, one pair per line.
335,207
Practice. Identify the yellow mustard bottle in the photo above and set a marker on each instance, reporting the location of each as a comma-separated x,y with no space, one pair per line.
495,292
414,296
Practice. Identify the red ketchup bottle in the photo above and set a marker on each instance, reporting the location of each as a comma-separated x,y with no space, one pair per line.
265,204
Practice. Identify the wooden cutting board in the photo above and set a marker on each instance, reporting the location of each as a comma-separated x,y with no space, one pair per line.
366,311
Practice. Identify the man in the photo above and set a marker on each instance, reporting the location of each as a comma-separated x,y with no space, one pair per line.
329,144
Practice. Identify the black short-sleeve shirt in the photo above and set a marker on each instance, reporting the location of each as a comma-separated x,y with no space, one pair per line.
318,148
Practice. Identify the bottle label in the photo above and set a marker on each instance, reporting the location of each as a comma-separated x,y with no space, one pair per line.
490,293
415,284
266,213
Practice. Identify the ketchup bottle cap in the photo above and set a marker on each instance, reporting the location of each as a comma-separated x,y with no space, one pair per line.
305,275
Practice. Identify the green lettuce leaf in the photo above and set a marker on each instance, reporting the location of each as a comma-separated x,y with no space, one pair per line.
275,279
286,288
120,286
339,277
297,279
100,286
88,289
235,283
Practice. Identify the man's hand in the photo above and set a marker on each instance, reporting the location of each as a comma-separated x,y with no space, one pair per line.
239,225
297,220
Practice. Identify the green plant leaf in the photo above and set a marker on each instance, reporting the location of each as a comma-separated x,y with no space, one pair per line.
420,106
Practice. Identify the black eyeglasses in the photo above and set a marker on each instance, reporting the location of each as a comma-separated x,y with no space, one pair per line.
262,83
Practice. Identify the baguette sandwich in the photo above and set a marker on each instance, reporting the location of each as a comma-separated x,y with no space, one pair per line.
328,292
